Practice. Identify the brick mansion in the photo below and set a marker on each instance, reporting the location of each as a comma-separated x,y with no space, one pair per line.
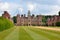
31,20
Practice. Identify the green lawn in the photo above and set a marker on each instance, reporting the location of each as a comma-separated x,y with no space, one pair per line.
29,33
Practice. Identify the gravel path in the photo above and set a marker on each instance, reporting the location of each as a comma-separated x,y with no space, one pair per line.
50,28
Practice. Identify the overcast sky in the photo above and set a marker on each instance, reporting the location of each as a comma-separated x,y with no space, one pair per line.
44,7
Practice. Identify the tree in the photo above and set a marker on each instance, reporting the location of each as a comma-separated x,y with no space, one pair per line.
15,19
59,13
44,20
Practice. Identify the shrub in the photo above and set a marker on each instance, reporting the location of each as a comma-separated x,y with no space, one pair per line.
57,23
5,24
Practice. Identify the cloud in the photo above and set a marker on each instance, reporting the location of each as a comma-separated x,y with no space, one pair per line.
31,6
48,2
7,6
46,9
4,6
10,7
21,9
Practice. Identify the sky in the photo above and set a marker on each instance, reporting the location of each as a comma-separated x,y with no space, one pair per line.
37,7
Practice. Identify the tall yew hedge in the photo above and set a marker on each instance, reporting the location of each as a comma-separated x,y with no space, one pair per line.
5,24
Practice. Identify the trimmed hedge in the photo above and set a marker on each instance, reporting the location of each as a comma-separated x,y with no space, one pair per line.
57,23
5,24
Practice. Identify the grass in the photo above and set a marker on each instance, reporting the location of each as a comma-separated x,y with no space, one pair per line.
29,33
5,33
24,35
52,35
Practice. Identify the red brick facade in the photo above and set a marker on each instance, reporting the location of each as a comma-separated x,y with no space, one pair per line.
6,15
29,20
53,20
